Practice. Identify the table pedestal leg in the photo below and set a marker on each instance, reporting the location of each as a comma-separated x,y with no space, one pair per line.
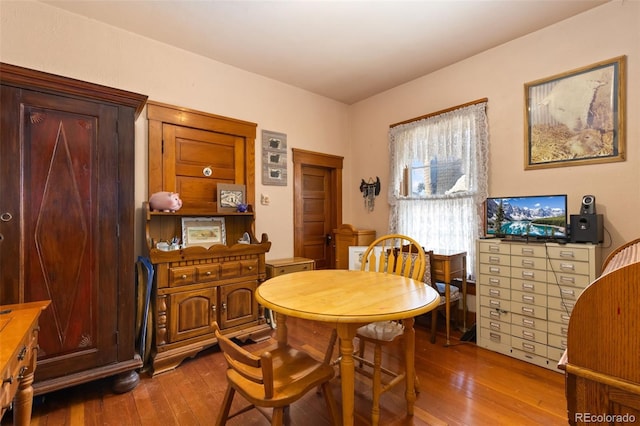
409,336
346,333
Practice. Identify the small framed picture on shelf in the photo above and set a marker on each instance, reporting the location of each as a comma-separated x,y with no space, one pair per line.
230,197
203,231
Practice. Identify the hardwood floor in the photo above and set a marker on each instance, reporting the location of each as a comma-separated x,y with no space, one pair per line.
460,385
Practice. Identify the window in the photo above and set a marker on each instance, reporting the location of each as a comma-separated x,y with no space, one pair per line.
438,179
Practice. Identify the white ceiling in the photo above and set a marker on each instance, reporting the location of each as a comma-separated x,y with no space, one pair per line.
344,50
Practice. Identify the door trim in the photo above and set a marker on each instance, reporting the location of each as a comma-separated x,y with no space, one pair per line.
308,158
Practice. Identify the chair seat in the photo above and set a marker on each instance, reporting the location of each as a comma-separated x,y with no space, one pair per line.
301,374
381,330
454,293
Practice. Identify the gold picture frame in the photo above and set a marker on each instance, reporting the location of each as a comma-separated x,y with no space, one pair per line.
203,231
577,117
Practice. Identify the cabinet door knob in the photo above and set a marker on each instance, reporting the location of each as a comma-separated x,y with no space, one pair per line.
183,276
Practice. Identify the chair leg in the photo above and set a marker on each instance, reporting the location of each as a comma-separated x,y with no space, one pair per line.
226,406
278,416
377,384
331,403
434,324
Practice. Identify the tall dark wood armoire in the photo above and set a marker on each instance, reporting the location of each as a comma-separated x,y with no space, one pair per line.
67,213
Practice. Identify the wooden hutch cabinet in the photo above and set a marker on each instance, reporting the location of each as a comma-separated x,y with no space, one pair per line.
190,153
67,222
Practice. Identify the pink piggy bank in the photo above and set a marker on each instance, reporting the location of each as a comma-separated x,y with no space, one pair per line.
165,201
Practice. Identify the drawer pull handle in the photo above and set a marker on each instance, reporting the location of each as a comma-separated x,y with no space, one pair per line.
23,369
528,322
494,248
563,344
528,274
528,287
494,292
250,268
564,331
494,303
494,270
564,317
528,311
494,325
494,259
528,347
528,335
527,262
527,251
528,299
8,380
568,266
495,337
208,273
571,280
494,281
22,354
568,306
568,292
495,314
568,254
183,276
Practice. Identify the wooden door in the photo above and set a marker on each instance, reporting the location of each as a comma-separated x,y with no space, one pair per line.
64,184
317,205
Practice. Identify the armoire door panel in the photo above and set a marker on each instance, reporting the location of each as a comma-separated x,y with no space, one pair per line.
69,206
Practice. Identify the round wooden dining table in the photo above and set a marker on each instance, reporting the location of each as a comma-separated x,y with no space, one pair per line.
346,300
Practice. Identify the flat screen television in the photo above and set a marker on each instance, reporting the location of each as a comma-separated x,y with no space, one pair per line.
542,217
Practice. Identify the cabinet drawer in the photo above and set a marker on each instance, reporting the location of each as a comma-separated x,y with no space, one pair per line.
494,281
538,300
529,310
527,286
558,330
495,270
529,346
208,272
529,250
495,292
538,358
568,253
495,314
559,317
558,304
183,275
493,247
529,262
569,267
567,293
495,259
580,281
495,325
529,322
529,274
529,334
559,342
241,268
495,340
287,269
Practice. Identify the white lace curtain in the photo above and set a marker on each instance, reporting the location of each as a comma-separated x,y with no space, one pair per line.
438,180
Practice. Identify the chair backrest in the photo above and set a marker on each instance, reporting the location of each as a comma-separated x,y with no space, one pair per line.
258,369
395,254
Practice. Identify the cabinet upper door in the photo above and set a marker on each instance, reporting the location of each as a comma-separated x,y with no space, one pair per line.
191,152
199,160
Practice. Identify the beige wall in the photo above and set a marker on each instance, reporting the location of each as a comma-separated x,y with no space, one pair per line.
38,36
42,37
499,74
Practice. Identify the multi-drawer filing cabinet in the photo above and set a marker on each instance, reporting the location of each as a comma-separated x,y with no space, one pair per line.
526,294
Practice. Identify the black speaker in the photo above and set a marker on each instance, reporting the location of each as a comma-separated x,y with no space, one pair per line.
586,228
588,205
